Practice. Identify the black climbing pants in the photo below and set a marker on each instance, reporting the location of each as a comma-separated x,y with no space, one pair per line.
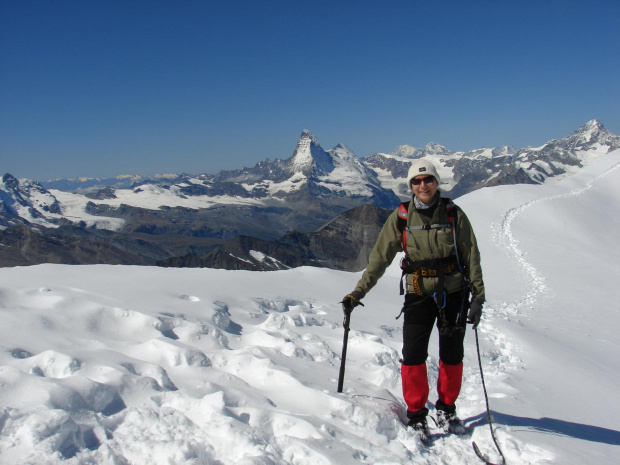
420,316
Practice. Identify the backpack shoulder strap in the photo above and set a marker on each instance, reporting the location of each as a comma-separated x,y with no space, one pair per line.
452,211
403,214
452,219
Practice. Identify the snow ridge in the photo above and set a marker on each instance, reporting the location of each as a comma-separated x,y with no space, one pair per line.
500,348
507,240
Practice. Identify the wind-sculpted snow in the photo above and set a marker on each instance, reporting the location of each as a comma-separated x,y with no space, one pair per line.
165,377
119,365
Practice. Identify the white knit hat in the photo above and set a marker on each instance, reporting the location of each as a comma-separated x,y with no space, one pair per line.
422,167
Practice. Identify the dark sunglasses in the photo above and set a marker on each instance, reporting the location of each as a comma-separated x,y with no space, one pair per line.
427,180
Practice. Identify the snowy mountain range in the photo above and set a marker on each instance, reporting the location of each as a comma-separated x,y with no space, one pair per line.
463,172
301,193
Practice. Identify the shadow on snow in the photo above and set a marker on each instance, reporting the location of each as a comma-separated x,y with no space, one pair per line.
552,426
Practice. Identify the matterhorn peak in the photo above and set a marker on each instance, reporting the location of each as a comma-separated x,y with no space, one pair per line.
309,155
306,134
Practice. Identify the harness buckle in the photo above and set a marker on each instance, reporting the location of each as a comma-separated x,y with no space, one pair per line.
426,272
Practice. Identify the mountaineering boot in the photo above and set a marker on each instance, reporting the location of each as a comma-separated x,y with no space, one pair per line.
417,422
450,423
447,419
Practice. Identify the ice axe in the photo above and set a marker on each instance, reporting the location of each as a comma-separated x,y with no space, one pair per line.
343,359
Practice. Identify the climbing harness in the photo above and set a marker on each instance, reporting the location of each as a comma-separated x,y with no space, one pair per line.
436,268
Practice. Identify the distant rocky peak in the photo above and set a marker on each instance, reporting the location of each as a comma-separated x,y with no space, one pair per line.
593,125
21,187
590,131
406,151
594,131
432,148
10,181
309,157
342,151
591,136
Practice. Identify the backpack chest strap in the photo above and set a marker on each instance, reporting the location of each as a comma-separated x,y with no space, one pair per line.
428,227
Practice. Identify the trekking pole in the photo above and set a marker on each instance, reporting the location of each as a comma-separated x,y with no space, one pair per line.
343,358
486,399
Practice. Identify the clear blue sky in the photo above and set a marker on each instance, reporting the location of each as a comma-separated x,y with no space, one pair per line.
107,87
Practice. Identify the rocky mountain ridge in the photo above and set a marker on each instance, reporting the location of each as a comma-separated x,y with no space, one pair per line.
194,216
464,172
344,243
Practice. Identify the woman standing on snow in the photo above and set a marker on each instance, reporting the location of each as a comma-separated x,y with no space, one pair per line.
441,268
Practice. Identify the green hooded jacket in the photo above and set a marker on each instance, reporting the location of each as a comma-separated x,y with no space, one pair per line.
424,244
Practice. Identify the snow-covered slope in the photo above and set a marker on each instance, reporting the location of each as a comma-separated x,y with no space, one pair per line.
149,196
118,365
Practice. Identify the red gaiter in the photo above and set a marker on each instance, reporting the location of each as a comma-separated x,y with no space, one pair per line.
415,386
449,382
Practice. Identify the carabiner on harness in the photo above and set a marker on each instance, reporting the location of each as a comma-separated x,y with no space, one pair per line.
441,301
